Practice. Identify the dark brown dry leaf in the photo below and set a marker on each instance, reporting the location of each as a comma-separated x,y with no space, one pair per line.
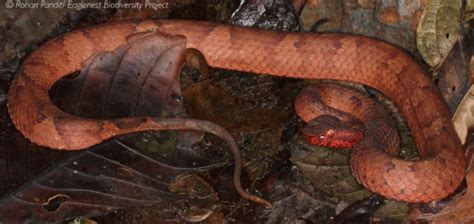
329,171
453,75
195,62
138,79
92,183
19,159
359,211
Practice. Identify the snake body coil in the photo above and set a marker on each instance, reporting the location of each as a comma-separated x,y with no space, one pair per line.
295,55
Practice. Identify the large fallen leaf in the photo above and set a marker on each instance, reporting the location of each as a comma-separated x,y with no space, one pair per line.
329,171
138,79
92,183
438,30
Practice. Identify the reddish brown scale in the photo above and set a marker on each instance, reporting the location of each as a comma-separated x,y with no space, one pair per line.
297,55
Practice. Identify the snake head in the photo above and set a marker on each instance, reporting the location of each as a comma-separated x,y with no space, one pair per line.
329,131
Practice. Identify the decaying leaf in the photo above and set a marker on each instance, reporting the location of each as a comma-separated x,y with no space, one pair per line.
329,171
130,81
360,211
203,199
92,183
438,30
464,116
453,76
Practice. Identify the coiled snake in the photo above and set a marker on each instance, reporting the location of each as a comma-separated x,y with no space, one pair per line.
294,55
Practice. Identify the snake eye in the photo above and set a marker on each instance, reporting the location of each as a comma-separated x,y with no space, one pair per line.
330,132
